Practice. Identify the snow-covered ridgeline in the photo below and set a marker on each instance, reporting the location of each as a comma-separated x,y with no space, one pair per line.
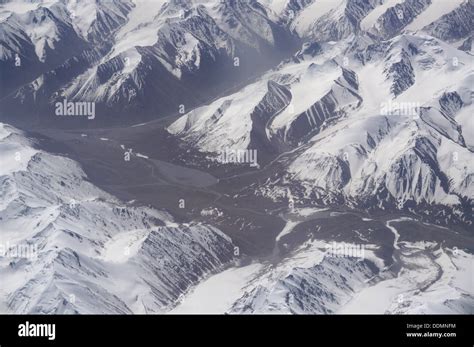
314,281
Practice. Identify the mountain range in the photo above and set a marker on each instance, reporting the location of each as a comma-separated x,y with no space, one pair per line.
346,130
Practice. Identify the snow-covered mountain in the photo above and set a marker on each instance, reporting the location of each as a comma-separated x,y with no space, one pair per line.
360,119
69,247
314,281
152,56
39,36
344,285
418,155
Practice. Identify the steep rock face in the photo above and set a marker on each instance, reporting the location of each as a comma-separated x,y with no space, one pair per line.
196,251
467,45
277,98
320,289
342,21
402,74
451,103
398,17
109,16
336,103
455,25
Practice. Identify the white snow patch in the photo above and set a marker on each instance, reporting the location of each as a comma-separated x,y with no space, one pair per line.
287,229
435,10
15,152
372,17
216,294
306,18
124,245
